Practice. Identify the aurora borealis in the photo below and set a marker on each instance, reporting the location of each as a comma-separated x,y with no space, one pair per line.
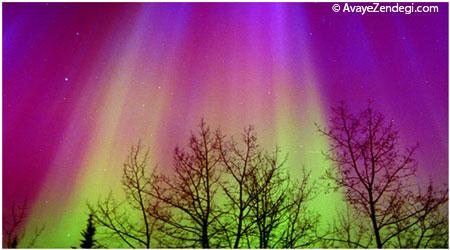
82,82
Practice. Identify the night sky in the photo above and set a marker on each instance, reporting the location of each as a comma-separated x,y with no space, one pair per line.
83,82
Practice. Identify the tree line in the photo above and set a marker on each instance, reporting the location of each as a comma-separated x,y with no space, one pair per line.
223,192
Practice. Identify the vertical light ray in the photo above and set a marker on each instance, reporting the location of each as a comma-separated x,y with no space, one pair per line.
99,167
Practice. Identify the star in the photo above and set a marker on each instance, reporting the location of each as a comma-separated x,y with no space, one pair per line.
66,79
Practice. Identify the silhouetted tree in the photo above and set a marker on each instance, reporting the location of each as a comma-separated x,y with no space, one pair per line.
36,234
88,234
239,167
377,177
225,193
135,230
188,197
13,231
301,229
262,202
428,227
269,207
12,223
349,230
220,193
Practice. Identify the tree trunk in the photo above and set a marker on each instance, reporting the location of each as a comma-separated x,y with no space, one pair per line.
374,221
205,240
239,231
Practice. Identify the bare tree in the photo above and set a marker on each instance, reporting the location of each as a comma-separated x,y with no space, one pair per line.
188,197
261,201
349,229
270,191
428,227
220,193
255,188
239,168
301,229
13,227
377,177
12,224
133,229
